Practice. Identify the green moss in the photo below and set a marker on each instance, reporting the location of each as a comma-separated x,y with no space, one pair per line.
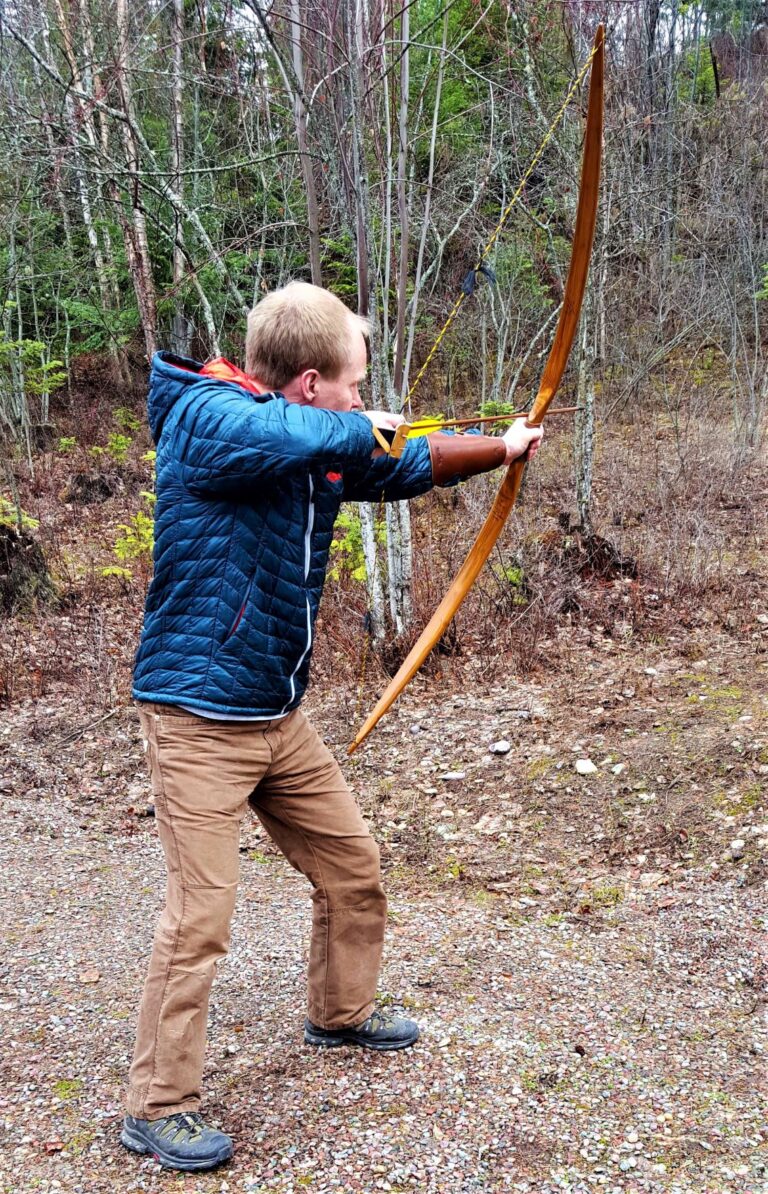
77,1144
448,870
670,731
729,693
607,895
735,804
68,1088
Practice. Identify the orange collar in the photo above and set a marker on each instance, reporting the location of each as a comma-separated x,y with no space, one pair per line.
223,370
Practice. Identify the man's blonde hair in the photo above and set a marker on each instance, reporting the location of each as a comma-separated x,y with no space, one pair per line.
295,328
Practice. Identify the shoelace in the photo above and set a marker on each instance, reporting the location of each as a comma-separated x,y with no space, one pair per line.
381,1019
183,1124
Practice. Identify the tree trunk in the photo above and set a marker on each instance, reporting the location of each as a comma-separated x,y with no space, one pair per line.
402,202
181,327
136,245
300,120
585,419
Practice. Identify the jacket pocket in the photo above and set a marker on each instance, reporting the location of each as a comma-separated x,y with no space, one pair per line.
240,614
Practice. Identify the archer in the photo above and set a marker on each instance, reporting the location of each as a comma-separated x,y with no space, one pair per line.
252,468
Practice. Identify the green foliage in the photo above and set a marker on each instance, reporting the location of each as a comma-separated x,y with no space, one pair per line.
138,541
696,77
513,575
763,291
117,447
517,273
99,328
347,555
493,409
118,573
126,419
40,376
339,266
67,443
9,516
150,496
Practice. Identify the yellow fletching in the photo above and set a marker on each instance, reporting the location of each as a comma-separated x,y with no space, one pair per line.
424,427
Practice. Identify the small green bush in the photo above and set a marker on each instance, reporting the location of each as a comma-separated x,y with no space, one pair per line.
117,447
9,517
126,419
347,554
138,540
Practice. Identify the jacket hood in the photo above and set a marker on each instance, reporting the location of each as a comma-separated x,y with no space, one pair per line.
171,377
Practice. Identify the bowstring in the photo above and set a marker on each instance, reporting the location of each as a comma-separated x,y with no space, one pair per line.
452,315
495,234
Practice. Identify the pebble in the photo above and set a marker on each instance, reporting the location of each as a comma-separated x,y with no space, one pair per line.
502,747
585,767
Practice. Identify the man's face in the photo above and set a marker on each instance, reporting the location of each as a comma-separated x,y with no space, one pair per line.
342,393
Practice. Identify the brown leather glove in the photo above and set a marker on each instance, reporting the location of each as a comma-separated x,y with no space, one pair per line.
455,457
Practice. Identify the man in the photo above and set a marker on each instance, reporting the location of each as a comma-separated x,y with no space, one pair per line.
251,470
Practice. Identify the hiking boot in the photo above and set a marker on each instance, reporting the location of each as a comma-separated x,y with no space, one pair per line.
180,1141
381,1031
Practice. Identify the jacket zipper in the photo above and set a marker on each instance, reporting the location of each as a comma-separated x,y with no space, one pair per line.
307,561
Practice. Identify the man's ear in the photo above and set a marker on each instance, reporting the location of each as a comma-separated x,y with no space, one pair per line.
308,382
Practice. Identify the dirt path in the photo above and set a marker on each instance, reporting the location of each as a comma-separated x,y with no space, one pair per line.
585,952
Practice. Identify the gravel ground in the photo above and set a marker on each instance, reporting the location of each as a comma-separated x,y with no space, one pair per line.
620,1051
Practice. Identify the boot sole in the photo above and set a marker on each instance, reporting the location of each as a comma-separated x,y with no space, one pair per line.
137,1145
351,1038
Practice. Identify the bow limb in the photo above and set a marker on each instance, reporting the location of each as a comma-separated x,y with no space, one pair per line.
553,371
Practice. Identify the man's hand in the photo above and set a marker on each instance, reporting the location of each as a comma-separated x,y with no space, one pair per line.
384,420
521,439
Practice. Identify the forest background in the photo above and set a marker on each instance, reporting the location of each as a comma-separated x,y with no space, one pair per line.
165,165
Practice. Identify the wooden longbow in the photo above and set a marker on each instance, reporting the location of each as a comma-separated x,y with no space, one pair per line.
553,372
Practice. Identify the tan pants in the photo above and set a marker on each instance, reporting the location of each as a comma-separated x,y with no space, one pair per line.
204,775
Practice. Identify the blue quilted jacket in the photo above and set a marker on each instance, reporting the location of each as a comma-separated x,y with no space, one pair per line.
248,488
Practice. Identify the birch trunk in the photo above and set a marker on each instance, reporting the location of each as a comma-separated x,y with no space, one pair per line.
300,120
399,536
181,328
400,565
136,244
374,581
585,419
78,116
402,202
427,205
365,301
